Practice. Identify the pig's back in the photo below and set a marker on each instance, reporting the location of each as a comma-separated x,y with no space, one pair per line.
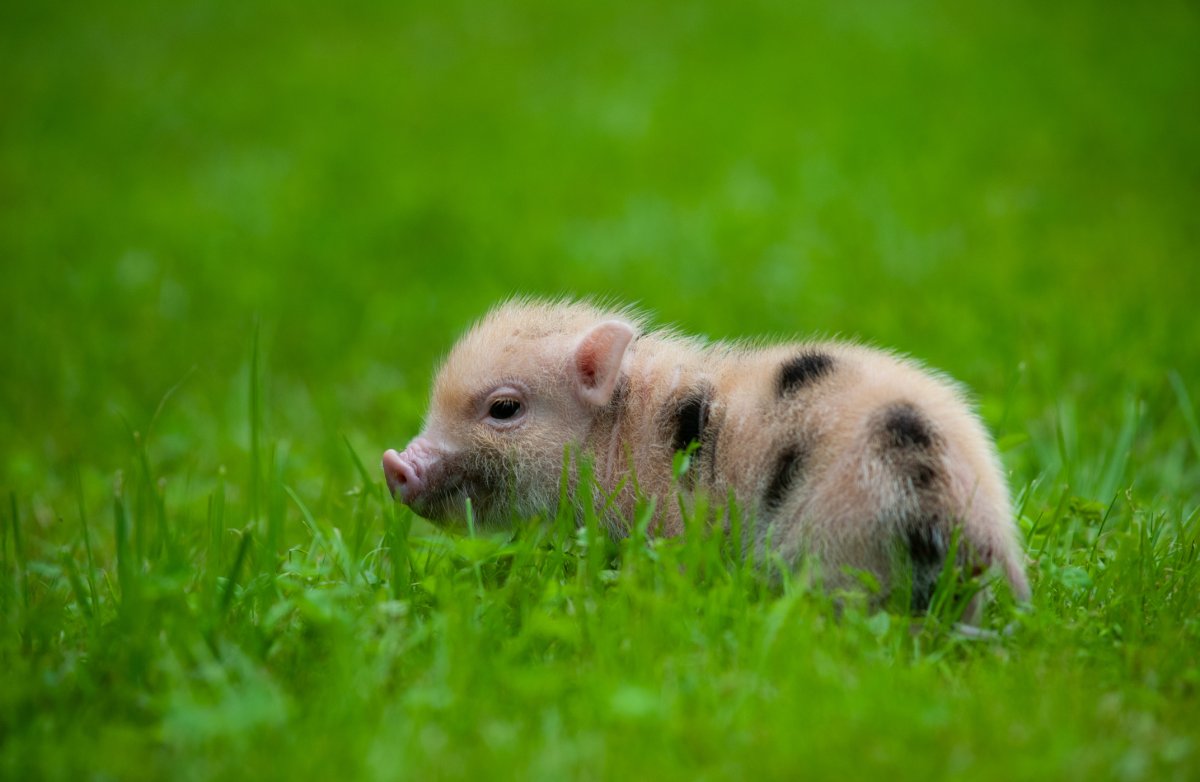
846,452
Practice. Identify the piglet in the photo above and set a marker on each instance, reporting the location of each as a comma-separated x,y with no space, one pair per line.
838,453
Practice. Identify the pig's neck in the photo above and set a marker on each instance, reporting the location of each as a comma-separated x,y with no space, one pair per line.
637,431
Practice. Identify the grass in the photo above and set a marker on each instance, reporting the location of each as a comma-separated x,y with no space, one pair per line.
237,237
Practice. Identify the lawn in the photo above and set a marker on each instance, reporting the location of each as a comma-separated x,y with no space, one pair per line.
237,237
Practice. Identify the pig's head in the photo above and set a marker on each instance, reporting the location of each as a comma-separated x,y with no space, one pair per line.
524,382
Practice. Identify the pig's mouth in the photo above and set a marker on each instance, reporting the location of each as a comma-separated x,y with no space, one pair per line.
447,507
438,489
441,485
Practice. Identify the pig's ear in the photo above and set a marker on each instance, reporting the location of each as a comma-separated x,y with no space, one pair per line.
597,362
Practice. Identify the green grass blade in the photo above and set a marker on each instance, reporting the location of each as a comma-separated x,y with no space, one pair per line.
85,532
82,597
126,578
22,569
234,571
1186,409
255,415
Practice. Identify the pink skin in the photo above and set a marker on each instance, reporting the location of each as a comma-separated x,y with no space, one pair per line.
431,477
407,473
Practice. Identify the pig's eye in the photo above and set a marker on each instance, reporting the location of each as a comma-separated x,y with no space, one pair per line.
504,409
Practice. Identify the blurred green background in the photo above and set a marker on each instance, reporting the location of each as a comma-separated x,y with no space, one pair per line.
1009,191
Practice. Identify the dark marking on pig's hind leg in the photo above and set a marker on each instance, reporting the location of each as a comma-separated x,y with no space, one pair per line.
927,552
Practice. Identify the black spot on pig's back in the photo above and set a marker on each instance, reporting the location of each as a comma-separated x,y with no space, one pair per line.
905,428
911,445
804,370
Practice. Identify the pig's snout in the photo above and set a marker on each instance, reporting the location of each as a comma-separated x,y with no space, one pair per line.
407,472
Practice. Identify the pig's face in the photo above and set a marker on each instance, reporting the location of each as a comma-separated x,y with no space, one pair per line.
512,393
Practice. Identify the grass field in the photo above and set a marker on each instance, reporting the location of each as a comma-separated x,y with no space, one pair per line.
236,237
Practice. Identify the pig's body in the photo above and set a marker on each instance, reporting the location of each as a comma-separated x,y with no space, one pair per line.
837,452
